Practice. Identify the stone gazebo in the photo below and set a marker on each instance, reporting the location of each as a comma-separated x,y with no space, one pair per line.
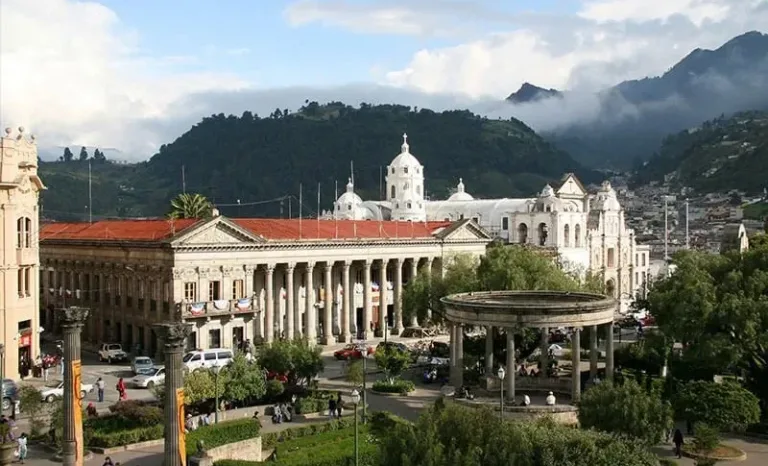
514,310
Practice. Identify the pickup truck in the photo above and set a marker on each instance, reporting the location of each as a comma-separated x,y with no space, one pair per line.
50,394
110,352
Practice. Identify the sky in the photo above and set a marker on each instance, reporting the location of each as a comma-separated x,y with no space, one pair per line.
135,74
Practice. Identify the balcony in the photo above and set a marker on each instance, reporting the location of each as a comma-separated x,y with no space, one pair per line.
219,307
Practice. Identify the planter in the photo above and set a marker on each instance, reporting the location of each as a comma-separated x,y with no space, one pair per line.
721,453
7,451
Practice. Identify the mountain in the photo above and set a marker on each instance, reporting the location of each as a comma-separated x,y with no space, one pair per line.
530,93
634,116
720,155
253,159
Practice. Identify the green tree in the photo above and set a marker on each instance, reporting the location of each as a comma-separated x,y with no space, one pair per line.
68,155
354,373
99,156
392,361
627,410
188,205
243,379
83,154
31,404
295,358
200,386
725,406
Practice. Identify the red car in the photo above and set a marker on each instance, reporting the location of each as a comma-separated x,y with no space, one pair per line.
351,352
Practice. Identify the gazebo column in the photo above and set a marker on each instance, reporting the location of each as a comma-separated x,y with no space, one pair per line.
457,373
593,353
576,365
544,348
489,350
511,365
609,351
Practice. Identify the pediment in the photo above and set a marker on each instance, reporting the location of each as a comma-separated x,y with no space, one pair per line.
217,231
464,230
571,187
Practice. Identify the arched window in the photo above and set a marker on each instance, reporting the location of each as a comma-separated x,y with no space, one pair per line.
577,236
393,190
24,232
406,186
567,236
418,189
405,170
522,233
543,233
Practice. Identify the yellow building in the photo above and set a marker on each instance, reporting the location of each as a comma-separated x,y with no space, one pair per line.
19,259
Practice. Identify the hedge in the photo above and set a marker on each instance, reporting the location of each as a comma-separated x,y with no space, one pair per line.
271,439
222,433
397,386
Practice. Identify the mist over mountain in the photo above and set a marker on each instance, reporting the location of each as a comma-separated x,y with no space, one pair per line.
621,125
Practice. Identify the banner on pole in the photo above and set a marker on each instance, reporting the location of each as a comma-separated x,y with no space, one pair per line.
182,421
77,407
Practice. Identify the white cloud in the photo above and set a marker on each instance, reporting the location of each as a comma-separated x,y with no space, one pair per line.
71,72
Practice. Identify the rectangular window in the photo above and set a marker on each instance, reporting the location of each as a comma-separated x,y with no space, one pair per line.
214,290
20,283
643,256
611,258
190,291
214,339
237,289
505,223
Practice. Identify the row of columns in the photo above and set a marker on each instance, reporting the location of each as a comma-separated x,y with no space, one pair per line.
457,356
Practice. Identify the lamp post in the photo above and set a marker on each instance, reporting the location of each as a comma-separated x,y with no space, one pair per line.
216,370
362,346
356,400
501,373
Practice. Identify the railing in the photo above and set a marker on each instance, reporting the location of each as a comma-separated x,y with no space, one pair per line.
217,307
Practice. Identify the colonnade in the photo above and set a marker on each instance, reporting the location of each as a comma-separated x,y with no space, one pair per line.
457,356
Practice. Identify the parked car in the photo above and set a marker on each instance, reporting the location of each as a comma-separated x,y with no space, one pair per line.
110,352
206,359
352,351
155,376
51,393
142,365
10,393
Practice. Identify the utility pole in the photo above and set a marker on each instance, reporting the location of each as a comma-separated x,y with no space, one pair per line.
687,237
666,229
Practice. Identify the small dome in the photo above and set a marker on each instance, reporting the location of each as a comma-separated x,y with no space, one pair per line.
547,191
548,202
460,194
349,197
405,158
606,199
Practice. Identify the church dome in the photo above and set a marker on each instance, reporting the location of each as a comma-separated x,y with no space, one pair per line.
548,201
405,159
606,199
460,194
348,198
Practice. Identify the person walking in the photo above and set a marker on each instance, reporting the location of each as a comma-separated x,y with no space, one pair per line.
331,408
121,390
22,442
100,389
677,439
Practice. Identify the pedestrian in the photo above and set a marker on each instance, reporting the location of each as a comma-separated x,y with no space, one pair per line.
108,462
677,439
332,408
100,389
22,442
121,390
339,405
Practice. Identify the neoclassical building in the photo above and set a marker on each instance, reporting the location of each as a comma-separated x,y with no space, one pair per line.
19,192
243,279
587,231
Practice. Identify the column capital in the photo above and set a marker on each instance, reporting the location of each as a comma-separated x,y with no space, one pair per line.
347,265
249,268
290,266
269,268
399,260
328,266
74,316
311,265
174,334
367,263
385,260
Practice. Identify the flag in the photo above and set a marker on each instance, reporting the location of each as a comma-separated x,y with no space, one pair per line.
197,309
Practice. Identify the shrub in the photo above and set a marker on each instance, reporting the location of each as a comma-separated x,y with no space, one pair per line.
121,437
222,434
726,406
706,438
31,403
138,413
271,439
395,386
274,388
310,405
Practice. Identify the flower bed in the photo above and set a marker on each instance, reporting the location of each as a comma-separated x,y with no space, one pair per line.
397,386
720,453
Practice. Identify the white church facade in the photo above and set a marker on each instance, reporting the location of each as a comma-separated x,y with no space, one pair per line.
587,231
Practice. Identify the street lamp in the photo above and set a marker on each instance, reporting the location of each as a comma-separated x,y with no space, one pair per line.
356,400
501,373
216,370
362,346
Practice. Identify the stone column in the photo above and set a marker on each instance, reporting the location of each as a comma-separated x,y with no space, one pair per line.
488,350
347,294
174,335
428,267
576,365
328,305
398,292
269,315
310,311
290,294
544,348
414,273
383,292
367,305
511,365
73,319
609,351
453,354
593,353
460,354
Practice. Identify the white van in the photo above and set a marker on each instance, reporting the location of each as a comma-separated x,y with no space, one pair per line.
214,357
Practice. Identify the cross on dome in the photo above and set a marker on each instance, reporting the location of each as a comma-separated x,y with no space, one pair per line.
405,147
460,186
350,186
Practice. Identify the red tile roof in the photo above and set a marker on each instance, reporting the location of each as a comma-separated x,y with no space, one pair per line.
312,229
116,230
270,229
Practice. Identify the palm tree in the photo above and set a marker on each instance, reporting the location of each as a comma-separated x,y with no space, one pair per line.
190,206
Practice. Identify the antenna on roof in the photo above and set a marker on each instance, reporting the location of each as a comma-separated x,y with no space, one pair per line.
352,171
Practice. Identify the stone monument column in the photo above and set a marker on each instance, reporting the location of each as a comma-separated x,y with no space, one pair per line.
576,365
73,318
174,335
511,365
609,351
